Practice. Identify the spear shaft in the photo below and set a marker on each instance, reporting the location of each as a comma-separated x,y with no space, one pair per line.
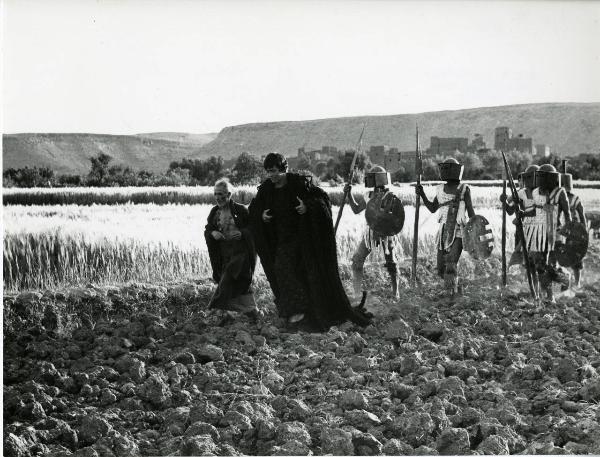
504,280
418,172
520,231
350,178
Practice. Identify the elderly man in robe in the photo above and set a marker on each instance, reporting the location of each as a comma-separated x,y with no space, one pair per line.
231,251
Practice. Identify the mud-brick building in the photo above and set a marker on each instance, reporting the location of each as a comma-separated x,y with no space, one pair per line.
477,143
542,150
443,146
504,141
389,158
377,155
325,153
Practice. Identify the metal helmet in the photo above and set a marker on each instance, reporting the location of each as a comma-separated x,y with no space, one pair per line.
450,169
528,176
547,178
377,177
566,180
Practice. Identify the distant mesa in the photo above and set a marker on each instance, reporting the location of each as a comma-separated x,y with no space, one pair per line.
69,153
567,129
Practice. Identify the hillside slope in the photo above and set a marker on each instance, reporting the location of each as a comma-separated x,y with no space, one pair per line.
569,128
70,153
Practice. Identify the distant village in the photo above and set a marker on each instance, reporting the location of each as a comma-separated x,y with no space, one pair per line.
392,159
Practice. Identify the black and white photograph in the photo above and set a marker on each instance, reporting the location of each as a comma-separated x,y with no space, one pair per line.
298,227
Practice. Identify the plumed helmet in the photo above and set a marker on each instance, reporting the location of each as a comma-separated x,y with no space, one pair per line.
547,178
528,176
450,169
377,177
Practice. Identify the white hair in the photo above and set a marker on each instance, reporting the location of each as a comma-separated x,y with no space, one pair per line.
224,182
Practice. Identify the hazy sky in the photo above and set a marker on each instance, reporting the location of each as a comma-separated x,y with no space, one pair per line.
198,66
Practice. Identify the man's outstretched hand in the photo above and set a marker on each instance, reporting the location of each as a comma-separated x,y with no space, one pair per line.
301,208
265,216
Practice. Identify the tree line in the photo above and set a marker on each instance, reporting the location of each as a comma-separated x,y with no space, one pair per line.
248,169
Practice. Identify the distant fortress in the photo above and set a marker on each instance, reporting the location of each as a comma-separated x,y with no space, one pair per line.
392,159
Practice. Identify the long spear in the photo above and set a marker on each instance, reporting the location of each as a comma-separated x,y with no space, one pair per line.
504,281
418,173
350,177
519,219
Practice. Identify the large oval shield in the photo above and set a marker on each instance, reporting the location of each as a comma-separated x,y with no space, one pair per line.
478,238
572,251
385,214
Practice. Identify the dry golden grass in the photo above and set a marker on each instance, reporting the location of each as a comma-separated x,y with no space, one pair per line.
51,246
485,194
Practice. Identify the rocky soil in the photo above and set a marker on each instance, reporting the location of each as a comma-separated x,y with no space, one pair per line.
146,370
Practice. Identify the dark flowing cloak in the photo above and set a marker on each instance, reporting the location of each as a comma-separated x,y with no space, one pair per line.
329,304
242,268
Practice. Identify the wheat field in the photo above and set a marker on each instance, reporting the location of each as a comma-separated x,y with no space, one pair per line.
52,246
65,244
484,193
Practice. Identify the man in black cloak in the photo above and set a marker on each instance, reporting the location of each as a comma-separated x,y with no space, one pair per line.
231,251
292,225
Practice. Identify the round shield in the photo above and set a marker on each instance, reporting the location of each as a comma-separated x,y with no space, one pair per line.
478,238
385,214
572,251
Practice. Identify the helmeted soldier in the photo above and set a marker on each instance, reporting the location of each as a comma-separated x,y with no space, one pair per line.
526,205
384,218
550,202
453,199
577,215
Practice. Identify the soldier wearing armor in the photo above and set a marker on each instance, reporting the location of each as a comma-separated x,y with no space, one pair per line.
526,206
577,214
453,200
550,202
377,178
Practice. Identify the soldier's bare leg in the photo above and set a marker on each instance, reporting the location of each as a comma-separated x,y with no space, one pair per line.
392,268
546,284
451,272
358,263
441,263
536,267
577,276
577,270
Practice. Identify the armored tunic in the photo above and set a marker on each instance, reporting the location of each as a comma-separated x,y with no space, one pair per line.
446,201
574,203
526,201
527,205
540,231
